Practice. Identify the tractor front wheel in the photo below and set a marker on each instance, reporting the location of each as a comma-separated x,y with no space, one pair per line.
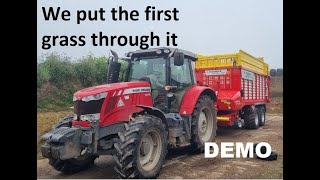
71,166
142,148
74,165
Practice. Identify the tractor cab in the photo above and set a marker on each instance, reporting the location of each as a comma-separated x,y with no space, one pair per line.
157,105
169,72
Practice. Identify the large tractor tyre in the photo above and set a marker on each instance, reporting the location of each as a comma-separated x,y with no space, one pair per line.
75,165
262,116
204,123
142,148
72,166
251,118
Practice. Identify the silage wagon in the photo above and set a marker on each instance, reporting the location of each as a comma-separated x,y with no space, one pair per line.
242,86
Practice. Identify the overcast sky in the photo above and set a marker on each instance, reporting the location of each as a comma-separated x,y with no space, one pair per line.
206,27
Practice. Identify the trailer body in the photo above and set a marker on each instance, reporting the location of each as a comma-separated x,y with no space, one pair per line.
239,80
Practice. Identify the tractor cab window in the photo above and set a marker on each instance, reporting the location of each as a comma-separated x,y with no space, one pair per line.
138,70
181,75
181,78
152,70
123,70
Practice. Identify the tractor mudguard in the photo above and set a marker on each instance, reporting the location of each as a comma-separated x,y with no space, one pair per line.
191,97
155,112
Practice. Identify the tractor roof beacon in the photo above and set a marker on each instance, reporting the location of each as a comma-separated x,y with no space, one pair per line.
136,120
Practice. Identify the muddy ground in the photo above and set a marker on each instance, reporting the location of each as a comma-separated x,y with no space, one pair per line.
180,164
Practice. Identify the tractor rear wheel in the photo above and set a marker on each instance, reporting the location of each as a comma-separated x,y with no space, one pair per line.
142,148
74,165
204,123
251,118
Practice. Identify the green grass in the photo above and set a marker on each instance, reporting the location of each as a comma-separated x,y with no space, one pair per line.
56,99
54,104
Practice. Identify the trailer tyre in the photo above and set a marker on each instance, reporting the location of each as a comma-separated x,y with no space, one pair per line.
238,124
251,118
142,148
204,123
262,116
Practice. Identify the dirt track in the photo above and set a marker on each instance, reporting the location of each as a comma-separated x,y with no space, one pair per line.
180,164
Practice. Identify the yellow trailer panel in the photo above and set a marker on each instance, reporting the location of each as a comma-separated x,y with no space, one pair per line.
241,58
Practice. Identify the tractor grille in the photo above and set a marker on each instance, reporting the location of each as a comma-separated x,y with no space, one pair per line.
90,107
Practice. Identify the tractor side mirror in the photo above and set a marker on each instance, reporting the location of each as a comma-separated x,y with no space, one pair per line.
178,58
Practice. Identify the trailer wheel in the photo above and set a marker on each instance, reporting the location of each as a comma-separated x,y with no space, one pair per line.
238,124
204,123
262,116
142,148
74,165
251,118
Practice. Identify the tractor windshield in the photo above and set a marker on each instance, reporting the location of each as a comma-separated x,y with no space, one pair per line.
151,69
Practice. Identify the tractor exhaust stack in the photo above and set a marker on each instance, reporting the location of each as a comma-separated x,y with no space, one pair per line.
113,68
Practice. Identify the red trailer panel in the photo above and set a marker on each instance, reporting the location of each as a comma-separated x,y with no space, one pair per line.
238,82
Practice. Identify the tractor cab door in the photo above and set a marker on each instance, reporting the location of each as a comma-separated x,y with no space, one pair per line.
152,70
157,77
181,79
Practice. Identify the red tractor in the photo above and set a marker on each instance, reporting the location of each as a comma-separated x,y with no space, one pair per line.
159,104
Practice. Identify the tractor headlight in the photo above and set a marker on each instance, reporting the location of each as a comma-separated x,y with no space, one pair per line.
95,97
90,117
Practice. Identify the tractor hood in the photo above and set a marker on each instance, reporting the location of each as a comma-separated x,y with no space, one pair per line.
105,88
